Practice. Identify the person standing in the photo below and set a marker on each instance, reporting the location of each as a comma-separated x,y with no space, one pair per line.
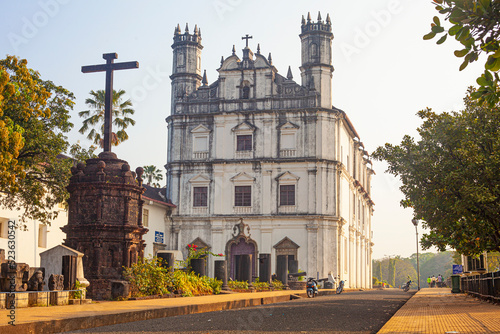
429,280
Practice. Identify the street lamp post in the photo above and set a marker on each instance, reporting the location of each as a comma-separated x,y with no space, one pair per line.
415,223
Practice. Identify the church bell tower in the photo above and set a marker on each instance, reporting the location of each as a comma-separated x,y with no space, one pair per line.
186,70
317,69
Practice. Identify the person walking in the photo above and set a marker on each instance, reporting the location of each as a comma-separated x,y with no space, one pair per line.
429,280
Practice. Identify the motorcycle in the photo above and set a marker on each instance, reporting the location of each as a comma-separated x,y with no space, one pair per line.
340,288
406,286
312,287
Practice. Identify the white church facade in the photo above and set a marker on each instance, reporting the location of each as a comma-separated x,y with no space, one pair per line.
258,147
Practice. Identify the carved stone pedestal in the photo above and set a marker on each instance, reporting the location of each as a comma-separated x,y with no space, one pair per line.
105,219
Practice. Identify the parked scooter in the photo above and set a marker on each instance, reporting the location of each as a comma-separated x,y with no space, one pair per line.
312,287
340,288
406,286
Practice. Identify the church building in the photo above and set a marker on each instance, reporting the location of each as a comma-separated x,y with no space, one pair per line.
261,164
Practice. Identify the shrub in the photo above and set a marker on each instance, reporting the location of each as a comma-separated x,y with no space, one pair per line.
242,285
277,285
148,277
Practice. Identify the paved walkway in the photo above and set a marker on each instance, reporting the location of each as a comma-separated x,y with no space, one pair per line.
55,319
437,310
428,311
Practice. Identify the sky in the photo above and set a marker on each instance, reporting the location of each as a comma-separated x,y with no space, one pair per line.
384,71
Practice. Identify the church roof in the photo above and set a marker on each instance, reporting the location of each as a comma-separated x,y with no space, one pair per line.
157,195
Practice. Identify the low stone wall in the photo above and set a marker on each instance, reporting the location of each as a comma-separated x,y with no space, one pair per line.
27,299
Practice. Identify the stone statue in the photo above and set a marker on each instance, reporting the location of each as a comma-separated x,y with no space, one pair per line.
56,282
36,281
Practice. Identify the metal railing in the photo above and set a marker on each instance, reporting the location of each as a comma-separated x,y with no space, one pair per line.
484,286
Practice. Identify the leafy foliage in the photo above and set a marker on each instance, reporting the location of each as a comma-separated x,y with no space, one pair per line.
476,25
80,153
34,116
148,277
450,177
430,264
241,285
121,112
151,174
391,278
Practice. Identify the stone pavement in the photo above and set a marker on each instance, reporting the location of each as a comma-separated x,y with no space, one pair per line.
428,311
54,319
437,310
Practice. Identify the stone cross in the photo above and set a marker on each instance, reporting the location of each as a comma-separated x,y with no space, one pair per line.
109,67
247,38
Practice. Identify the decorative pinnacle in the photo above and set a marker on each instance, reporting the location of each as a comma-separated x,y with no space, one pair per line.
178,29
204,81
258,49
187,28
270,59
221,60
328,19
319,17
289,75
303,20
234,50
199,32
308,17
196,29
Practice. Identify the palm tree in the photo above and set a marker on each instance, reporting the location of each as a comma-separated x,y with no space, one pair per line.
151,173
95,117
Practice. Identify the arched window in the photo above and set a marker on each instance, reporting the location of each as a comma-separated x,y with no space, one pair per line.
245,90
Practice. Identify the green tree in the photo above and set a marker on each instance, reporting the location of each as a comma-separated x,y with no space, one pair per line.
391,279
493,259
377,272
450,177
440,263
34,116
476,25
122,110
80,153
151,173
403,270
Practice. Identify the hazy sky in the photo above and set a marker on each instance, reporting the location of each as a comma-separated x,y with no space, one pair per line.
384,71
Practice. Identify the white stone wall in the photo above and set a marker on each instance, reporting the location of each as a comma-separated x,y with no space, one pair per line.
27,241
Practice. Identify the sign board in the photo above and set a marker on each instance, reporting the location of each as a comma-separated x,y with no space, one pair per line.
457,269
159,237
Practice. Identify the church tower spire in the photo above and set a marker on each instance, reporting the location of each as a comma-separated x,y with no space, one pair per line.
186,71
316,70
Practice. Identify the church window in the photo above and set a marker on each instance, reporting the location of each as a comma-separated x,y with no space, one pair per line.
201,143
246,93
244,143
287,194
243,196
288,141
145,217
180,59
42,235
245,90
200,196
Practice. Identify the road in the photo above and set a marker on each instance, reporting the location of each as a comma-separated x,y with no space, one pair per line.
350,312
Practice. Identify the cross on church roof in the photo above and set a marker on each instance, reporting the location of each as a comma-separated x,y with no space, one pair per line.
109,67
247,38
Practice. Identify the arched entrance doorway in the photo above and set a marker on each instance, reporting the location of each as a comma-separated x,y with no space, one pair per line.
241,253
